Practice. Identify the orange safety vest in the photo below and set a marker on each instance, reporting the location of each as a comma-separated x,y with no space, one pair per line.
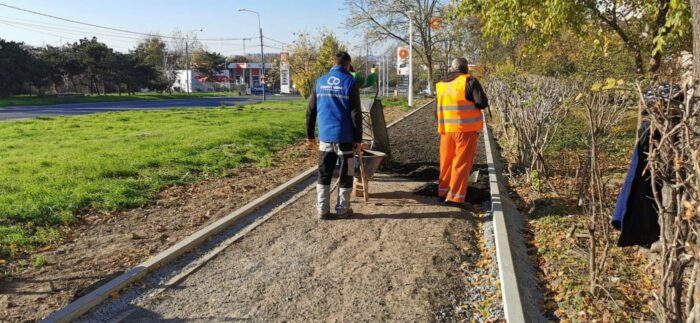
456,113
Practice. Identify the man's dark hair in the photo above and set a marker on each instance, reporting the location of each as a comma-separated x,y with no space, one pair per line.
459,65
342,58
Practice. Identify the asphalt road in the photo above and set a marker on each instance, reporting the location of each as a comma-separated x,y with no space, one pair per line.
28,112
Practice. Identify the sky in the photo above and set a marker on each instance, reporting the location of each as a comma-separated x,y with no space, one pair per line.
280,19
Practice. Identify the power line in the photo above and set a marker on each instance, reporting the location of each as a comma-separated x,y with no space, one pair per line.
281,42
69,35
57,36
104,27
69,32
272,47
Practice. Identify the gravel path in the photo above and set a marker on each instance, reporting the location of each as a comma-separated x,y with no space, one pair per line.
396,259
404,256
101,246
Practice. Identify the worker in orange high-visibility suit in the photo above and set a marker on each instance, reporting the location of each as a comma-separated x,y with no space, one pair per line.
460,99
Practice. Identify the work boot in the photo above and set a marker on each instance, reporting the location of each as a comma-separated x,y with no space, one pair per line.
323,201
342,209
462,205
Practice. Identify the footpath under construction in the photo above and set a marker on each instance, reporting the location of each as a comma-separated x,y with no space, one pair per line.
402,256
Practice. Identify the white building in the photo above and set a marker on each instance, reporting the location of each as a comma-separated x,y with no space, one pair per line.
242,77
195,82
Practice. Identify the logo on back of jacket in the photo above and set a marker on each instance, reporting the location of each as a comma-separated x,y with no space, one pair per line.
333,83
452,88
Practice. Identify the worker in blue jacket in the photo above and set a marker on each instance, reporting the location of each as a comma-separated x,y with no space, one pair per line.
335,102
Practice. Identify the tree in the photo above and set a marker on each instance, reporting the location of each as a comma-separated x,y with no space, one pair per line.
50,61
181,44
326,54
302,63
646,27
87,65
272,76
72,65
128,72
567,55
152,50
236,59
389,20
96,58
207,63
312,57
122,72
15,68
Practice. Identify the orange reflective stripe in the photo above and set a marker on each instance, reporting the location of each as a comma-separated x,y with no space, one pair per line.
460,121
464,114
454,196
458,108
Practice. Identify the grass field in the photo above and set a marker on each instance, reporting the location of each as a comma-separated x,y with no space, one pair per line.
397,101
38,100
53,168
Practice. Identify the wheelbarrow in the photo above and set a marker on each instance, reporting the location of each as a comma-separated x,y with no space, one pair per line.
366,164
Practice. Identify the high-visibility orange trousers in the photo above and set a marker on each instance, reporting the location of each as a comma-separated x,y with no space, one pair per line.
456,159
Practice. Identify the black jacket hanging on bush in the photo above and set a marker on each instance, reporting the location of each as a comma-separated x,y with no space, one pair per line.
635,212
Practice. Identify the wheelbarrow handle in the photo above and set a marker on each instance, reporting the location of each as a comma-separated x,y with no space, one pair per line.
365,194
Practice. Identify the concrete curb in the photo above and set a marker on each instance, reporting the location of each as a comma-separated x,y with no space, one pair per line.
510,293
410,113
88,301
83,304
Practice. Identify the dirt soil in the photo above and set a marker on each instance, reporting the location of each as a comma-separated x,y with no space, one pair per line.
397,258
558,244
102,246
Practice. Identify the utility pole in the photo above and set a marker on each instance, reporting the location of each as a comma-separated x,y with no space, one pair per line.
367,68
187,59
380,76
187,64
263,81
410,57
386,75
262,52
386,79
244,39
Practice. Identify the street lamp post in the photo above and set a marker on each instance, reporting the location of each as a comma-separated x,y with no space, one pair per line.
262,52
410,14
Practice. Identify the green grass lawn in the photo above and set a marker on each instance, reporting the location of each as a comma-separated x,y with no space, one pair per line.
400,101
54,168
38,100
